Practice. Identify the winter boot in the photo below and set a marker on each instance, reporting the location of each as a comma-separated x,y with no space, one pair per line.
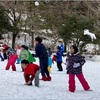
44,78
48,79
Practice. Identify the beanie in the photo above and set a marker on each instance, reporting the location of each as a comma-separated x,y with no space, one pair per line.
5,46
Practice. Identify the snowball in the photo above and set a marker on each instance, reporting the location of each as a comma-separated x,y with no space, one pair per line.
36,3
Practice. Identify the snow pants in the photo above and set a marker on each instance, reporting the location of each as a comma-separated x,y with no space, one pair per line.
44,67
82,80
11,62
59,66
36,78
49,64
18,61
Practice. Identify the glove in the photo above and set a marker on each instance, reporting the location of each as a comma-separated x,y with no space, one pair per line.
76,65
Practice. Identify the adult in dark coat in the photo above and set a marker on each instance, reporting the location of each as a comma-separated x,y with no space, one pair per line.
74,68
41,52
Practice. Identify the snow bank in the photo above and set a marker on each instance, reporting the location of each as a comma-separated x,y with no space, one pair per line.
93,57
96,58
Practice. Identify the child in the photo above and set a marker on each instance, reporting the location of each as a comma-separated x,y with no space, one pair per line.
74,68
31,59
24,53
49,59
59,59
31,71
41,52
11,55
49,64
62,47
18,53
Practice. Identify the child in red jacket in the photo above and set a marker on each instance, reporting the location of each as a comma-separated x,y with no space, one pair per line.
31,71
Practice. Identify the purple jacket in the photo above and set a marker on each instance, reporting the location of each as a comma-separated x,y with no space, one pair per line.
74,63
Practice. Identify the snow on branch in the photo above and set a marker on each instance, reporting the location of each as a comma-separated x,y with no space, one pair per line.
92,35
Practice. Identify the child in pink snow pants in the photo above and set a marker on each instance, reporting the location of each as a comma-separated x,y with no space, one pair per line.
12,57
11,62
74,64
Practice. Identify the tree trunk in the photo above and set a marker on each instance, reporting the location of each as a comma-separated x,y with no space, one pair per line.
25,38
32,46
0,36
64,46
13,39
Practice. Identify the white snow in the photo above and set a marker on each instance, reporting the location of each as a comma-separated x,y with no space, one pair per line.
92,35
12,85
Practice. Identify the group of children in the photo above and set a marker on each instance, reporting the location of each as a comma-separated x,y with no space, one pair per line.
74,63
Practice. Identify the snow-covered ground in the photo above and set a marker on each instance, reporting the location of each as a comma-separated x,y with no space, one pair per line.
12,85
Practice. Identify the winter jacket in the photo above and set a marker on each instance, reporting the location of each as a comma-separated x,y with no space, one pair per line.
49,61
24,55
31,70
74,63
49,52
31,58
41,51
10,51
18,51
62,47
59,56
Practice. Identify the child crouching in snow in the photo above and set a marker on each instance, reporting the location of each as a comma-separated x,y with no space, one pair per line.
31,71
11,55
74,64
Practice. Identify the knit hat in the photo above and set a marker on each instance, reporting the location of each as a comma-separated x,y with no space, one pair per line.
5,46
38,39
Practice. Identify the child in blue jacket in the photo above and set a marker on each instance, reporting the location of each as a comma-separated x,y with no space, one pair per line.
59,59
